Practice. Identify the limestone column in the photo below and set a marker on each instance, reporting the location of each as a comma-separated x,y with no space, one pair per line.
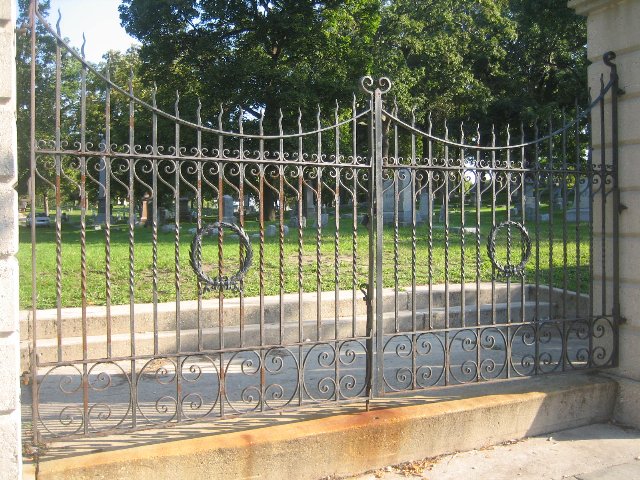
10,444
614,25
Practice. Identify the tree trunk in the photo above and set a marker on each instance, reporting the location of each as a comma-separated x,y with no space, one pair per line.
45,202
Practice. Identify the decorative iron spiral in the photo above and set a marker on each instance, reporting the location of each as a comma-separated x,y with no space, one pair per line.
223,282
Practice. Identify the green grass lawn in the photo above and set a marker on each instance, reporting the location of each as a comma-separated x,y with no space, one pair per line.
445,263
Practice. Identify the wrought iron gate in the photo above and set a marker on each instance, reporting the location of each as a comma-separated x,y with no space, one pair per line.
164,293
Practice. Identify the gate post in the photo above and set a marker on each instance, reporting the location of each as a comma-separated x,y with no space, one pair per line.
378,376
11,451
376,88
612,25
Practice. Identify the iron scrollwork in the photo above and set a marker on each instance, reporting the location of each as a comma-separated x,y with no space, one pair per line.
221,282
509,270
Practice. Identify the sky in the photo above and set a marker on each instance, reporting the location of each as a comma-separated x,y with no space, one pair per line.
98,19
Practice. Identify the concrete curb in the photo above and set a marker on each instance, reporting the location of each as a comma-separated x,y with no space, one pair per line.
448,420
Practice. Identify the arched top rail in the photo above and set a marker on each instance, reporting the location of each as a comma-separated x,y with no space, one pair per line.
566,126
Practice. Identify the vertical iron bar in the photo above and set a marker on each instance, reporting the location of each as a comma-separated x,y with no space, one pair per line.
413,172
106,164
58,161
478,176
132,224
537,172
32,194
577,179
176,220
177,213
372,372
241,251
430,172
354,226
447,300
509,174
379,330
615,91
462,226
200,169
523,176
281,172
301,188
494,179
603,201
565,288
154,223
319,171
336,255
563,150
83,238
550,209
221,166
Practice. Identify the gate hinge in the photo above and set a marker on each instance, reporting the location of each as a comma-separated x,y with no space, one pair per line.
622,320
622,207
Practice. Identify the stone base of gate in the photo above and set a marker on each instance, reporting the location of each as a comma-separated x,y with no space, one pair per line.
342,440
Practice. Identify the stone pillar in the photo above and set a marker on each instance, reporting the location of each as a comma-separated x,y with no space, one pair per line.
613,25
10,443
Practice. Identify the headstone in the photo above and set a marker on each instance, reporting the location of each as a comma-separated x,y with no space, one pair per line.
308,205
557,199
293,221
581,208
324,220
530,199
162,215
270,231
425,208
185,211
227,209
403,199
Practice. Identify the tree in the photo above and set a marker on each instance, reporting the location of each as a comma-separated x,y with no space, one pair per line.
263,56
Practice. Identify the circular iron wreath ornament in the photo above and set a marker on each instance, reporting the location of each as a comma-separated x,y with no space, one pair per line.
510,270
223,282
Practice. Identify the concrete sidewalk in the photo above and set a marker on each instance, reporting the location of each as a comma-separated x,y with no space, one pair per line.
595,452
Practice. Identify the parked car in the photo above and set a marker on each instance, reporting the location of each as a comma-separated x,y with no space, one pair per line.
42,220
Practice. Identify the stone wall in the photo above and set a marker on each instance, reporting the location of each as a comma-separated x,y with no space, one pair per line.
10,444
614,25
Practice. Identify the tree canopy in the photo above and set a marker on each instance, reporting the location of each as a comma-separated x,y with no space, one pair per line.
260,54
485,61
461,59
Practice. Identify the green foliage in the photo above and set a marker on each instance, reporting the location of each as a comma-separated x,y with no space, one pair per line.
478,61
257,55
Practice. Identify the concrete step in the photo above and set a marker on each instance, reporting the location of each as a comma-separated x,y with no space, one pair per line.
71,319
72,346
323,442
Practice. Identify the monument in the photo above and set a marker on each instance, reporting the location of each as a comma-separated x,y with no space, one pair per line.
227,209
580,211
399,194
425,207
